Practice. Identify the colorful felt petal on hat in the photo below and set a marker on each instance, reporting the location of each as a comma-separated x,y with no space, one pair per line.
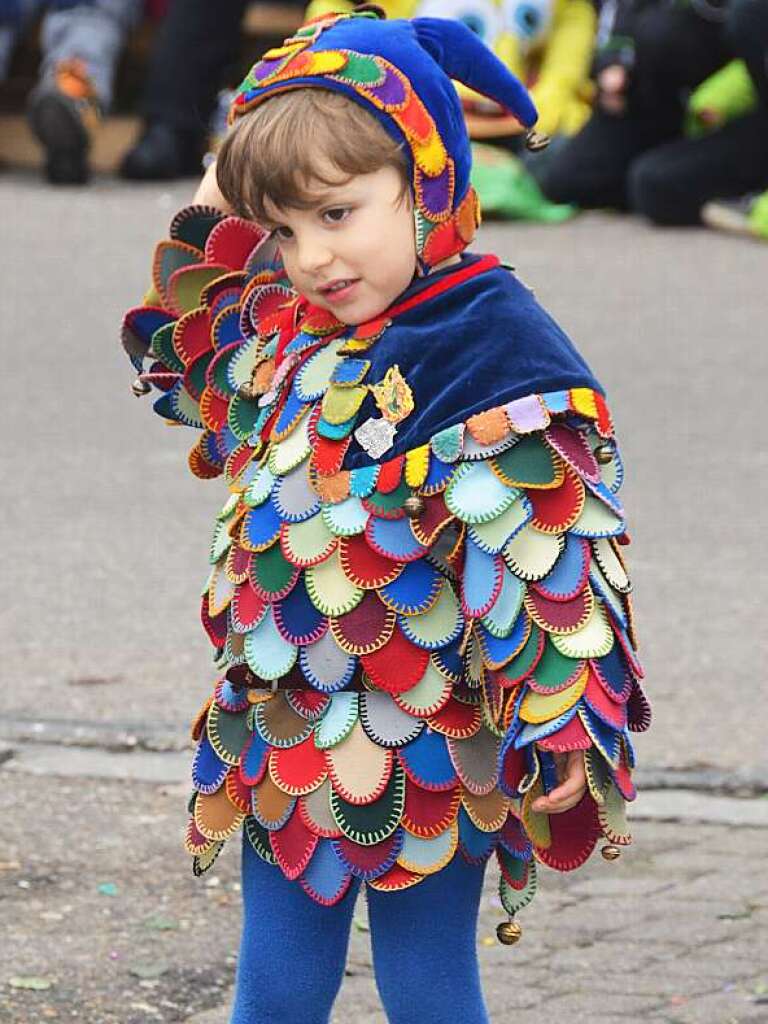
278,724
293,496
346,518
501,618
307,543
314,376
393,538
365,567
439,625
531,555
481,580
325,880
427,762
429,855
476,495
597,520
254,760
268,654
216,816
325,665
431,693
397,665
592,640
293,846
366,628
227,732
248,608
297,619
331,590
271,806
358,768
476,761
385,723
372,823
448,444
487,812
299,769
493,535
569,575
561,617
288,453
530,463
315,811
527,414
476,846
427,812
208,769
435,517
415,590
610,562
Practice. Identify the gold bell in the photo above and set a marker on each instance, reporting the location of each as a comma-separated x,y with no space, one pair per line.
535,141
604,454
140,387
610,852
414,506
508,933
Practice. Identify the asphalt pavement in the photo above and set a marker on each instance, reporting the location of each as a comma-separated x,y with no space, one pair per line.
104,536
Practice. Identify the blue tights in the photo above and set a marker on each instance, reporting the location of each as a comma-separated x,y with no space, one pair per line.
293,951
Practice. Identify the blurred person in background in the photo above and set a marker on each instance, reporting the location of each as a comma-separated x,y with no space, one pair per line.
81,41
635,152
198,42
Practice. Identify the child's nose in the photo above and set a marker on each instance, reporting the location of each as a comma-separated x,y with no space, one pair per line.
314,254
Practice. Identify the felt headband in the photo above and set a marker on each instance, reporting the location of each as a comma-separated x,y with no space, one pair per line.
401,72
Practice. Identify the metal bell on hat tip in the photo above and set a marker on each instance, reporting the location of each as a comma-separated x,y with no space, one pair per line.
509,932
536,141
604,454
140,387
413,505
610,852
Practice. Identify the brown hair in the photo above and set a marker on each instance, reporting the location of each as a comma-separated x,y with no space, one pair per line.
292,140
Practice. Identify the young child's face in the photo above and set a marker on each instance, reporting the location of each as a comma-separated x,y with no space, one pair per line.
354,251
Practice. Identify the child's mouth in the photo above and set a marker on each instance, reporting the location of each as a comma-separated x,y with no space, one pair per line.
339,291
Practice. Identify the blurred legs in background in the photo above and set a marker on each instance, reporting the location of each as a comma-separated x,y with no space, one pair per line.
197,41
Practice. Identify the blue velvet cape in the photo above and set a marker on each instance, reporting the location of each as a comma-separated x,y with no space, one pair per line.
480,343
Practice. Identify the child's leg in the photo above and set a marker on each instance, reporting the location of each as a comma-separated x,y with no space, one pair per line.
425,948
292,952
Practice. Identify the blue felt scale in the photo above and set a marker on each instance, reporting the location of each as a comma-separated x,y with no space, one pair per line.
394,539
415,590
427,762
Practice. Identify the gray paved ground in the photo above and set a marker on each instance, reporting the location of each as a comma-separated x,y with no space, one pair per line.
104,542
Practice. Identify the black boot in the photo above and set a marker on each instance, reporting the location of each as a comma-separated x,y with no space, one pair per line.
163,152
63,113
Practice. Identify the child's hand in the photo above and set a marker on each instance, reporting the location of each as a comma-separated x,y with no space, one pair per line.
573,785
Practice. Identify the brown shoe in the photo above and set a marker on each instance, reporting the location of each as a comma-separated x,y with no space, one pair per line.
63,113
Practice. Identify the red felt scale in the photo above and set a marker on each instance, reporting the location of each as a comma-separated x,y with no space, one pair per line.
195,841
572,736
456,720
297,770
559,617
365,567
238,460
200,466
397,666
574,835
328,455
247,606
432,520
238,792
213,410
514,768
192,336
390,475
293,846
428,813
215,626
238,564
395,879
556,509
609,710
365,860
232,241
366,628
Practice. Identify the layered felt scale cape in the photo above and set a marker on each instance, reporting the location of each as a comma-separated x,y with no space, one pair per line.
404,640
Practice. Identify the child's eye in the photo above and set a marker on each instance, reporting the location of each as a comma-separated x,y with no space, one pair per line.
336,214
283,234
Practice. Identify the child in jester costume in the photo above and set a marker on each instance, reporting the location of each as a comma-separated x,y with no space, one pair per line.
418,601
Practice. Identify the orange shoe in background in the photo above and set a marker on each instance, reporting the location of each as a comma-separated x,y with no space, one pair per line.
63,112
